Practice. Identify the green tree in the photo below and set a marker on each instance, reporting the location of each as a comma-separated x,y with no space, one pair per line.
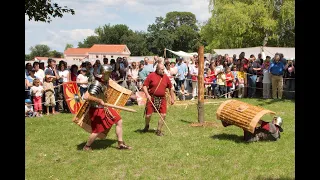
43,10
246,23
27,57
137,43
89,42
55,54
68,46
112,34
39,50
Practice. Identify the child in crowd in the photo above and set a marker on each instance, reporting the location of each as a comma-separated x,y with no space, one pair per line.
229,82
49,94
241,77
37,91
28,109
183,93
82,81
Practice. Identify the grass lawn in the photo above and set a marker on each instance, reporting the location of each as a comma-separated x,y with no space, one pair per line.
54,148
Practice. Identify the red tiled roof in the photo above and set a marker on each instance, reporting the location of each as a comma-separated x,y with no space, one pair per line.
40,58
119,48
80,51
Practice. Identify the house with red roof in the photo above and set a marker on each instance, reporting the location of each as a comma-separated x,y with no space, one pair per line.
97,51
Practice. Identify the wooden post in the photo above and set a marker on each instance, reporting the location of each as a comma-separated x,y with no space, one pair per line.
201,85
165,52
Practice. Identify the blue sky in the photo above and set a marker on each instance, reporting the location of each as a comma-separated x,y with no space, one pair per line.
90,14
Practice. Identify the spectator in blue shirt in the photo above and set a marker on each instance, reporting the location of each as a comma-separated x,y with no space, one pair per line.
182,73
276,70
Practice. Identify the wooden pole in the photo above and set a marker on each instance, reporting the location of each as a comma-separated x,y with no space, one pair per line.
201,85
165,52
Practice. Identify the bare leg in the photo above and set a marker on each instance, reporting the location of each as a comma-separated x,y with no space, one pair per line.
47,110
147,121
53,109
91,139
121,144
119,130
160,125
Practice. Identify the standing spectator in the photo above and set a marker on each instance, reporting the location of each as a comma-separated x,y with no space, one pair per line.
51,71
64,75
276,69
36,92
253,69
82,81
50,100
140,78
290,79
194,77
105,60
229,81
41,65
183,93
241,79
221,81
266,81
235,83
73,72
182,73
28,67
39,73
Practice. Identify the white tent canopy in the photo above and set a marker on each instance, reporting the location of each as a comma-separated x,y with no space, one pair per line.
182,53
269,51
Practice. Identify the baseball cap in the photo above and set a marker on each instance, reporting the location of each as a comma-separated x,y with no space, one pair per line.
180,58
27,101
142,62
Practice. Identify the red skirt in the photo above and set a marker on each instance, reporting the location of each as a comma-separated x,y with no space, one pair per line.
100,120
150,109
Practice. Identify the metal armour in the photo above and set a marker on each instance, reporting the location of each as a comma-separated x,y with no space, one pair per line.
97,90
106,71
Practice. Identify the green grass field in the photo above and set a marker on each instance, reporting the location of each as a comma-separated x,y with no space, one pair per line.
54,148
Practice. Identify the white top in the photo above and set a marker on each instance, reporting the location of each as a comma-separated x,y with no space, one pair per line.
64,75
40,75
82,79
133,72
194,71
36,91
266,76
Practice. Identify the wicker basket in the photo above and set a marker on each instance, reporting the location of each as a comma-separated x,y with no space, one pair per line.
243,115
115,95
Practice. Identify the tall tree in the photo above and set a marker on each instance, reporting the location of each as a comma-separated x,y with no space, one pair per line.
246,23
39,50
112,34
27,57
89,42
68,46
55,54
43,10
137,43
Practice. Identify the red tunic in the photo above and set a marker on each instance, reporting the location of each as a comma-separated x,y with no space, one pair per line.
152,82
100,121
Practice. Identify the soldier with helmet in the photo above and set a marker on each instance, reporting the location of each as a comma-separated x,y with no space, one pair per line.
266,131
102,118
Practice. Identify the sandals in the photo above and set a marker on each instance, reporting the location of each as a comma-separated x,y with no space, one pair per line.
124,146
159,133
87,148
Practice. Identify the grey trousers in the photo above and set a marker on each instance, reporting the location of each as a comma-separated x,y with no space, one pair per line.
266,90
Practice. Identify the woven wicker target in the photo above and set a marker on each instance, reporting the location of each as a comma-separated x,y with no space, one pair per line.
241,114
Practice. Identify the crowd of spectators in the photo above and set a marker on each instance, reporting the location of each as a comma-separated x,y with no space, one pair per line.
224,77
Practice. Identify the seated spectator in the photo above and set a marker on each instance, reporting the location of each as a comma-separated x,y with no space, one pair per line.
28,108
129,84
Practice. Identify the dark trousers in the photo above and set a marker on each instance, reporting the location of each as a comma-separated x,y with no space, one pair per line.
252,81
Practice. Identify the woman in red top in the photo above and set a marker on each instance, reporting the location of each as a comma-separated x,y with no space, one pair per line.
209,80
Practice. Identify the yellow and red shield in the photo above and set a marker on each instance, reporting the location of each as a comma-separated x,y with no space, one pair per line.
72,96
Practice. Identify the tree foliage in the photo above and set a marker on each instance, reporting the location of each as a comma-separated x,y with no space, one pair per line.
39,50
246,23
68,46
43,10
55,54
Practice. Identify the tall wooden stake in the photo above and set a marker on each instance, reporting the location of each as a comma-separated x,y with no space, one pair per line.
201,85
165,52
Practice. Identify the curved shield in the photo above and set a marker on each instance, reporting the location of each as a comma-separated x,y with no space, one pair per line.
72,96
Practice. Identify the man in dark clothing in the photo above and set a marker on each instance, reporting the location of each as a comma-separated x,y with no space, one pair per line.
253,68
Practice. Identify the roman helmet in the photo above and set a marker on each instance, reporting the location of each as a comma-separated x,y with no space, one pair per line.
106,71
278,122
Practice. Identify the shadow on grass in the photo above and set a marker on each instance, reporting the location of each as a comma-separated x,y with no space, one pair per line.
271,178
98,144
141,131
189,122
232,137
263,102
